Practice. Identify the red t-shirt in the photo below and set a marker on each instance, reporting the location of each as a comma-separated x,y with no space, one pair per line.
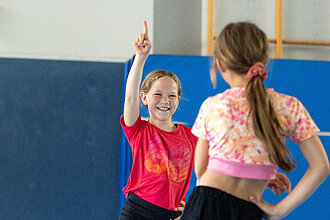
162,162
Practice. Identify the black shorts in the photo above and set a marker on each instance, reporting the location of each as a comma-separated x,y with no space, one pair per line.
210,203
136,208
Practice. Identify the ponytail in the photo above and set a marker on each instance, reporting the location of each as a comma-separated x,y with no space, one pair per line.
266,125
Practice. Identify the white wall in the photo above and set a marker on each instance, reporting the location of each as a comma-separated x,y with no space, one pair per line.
302,20
100,30
306,20
177,27
103,30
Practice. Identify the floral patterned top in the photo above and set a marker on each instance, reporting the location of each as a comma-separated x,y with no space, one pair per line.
234,149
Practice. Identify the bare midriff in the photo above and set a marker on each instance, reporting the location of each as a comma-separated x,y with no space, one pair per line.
239,187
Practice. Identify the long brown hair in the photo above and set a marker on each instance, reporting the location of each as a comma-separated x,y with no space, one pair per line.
238,47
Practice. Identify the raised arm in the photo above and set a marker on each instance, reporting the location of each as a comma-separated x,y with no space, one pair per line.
142,47
316,173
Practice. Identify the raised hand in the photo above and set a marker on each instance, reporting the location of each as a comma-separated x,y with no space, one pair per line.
142,44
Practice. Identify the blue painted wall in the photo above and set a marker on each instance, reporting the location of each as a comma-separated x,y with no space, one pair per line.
60,133
59,139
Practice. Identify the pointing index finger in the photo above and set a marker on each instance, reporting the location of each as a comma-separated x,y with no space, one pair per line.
145,30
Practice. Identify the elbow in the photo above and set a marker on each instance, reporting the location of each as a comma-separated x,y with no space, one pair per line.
199,172
325,170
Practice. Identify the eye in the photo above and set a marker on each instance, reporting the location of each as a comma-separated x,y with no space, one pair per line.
157,94
172,96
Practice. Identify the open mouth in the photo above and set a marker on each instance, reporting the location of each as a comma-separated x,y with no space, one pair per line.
164,109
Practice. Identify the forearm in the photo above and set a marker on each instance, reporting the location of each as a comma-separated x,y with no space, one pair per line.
317,172
304,189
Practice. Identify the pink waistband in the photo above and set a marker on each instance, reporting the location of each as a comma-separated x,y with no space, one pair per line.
242,170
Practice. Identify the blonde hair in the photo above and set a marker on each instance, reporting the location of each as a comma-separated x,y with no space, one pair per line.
238,47
157,74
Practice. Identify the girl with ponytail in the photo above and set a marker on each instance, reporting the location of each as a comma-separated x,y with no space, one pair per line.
242,132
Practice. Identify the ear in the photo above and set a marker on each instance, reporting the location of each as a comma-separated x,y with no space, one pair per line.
220,67
144,99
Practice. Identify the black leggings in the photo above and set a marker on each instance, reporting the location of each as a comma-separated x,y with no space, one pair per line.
209,203
136,208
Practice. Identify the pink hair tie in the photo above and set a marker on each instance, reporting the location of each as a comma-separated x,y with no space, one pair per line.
257,69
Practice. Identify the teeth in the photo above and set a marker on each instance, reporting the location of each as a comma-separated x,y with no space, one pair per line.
164,108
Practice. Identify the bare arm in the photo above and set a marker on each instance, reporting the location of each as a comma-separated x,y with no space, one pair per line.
316,173
201,157
142,47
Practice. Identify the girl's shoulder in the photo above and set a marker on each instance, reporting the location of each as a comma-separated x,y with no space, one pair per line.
272,92
282,99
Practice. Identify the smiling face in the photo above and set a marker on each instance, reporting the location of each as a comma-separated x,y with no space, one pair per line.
162,100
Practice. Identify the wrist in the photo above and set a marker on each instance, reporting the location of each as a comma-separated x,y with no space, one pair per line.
141,57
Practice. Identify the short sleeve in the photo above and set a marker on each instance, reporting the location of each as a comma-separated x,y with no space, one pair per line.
302,126
131,131
198,128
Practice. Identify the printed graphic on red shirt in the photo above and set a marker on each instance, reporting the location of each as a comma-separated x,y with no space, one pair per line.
173,165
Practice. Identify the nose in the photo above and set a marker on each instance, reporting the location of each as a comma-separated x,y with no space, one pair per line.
165,99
